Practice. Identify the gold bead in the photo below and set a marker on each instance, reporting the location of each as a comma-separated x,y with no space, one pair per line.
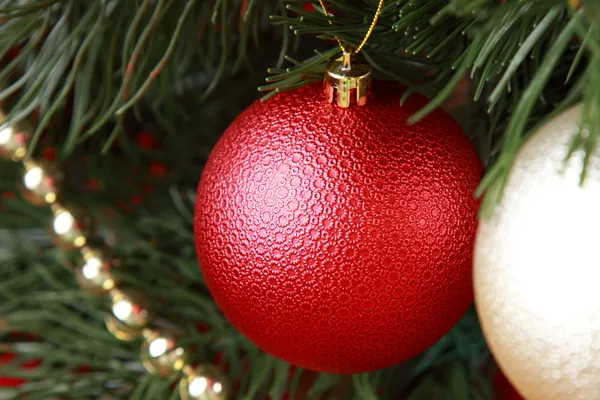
132,308
205,382
69,228
40,183
95,275
14,139
120,330
160,354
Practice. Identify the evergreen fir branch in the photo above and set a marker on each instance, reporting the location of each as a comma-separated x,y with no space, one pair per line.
514,131
223,28
402,26
587,136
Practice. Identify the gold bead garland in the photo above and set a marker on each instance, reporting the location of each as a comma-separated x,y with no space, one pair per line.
69,228
132,308
132,314
39,183
160,353
95,275
203,383
13,139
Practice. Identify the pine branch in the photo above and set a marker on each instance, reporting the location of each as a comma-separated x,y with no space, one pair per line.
83,34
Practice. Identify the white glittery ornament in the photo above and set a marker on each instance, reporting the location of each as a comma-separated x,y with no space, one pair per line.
537,270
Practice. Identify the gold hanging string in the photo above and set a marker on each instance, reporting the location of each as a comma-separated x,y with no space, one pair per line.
369,32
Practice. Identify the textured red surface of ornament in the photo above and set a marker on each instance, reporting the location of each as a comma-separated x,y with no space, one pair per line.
339,240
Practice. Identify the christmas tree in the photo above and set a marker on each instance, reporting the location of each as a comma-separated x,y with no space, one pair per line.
339,232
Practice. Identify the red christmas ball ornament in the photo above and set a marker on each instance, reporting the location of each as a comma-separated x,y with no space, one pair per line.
340,239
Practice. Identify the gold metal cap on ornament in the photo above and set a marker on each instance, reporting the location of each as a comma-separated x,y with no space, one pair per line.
40,183
14,139
347,83
205,382
160,354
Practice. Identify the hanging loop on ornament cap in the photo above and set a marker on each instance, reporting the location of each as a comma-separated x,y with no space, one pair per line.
367,35
343,80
